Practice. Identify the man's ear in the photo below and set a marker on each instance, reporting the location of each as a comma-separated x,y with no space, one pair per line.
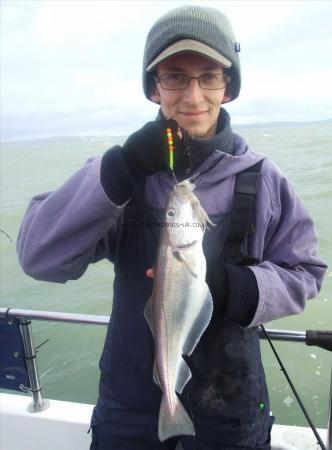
155,96
227,98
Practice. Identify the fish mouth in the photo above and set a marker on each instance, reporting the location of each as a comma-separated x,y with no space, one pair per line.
182,246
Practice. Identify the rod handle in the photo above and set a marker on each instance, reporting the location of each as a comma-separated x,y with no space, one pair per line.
319,338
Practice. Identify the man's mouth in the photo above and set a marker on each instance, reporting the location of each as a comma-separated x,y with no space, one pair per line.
193,113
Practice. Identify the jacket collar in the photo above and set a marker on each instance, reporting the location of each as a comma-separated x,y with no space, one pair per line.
201,149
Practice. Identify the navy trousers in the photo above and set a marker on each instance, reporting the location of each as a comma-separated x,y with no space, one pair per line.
104,437
138,432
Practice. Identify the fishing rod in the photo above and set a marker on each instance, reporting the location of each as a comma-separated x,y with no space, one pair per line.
282,367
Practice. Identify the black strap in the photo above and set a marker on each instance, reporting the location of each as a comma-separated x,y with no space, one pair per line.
235,249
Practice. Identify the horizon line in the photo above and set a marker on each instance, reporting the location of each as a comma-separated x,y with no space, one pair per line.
100,135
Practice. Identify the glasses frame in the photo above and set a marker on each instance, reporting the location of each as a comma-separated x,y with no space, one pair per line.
158,79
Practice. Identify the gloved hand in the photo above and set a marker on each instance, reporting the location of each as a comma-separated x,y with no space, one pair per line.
216,275
234,291
233,288
217,280
146,151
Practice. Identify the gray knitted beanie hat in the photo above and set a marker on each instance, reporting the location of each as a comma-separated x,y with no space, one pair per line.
203,30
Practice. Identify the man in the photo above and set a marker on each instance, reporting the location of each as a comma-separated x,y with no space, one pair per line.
107,209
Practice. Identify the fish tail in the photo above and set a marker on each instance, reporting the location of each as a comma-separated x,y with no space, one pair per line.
174,423
179,446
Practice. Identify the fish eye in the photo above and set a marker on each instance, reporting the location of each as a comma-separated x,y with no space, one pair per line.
171,212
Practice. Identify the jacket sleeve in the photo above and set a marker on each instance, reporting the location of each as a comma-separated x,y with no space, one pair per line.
63,231
285,241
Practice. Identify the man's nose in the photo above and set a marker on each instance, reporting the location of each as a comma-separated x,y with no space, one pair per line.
193,93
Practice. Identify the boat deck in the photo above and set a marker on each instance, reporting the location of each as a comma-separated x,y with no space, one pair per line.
64,425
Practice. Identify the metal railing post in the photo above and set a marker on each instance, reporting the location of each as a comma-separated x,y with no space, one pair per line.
38,403
329,421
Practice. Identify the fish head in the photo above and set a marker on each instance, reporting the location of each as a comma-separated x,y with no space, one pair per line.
185,218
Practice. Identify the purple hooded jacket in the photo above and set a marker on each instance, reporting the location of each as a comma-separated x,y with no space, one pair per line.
66,230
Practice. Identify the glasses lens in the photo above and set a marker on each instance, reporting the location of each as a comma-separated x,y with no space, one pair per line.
174,81
212,81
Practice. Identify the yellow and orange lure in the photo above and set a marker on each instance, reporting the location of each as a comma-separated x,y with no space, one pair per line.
170,148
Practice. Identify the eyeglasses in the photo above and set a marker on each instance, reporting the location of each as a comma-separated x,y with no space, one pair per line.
180,81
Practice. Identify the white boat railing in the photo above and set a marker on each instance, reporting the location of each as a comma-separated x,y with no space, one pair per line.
24,316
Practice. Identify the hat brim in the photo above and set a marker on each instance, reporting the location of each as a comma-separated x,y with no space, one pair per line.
189,45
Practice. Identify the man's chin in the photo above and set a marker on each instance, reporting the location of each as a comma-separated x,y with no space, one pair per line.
198,132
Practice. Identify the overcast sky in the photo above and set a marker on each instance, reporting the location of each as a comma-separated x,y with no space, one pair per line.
71,67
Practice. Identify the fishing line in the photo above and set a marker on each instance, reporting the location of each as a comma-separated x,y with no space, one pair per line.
7,235
170,142
282,367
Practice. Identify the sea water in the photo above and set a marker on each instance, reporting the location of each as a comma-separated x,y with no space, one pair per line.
68,363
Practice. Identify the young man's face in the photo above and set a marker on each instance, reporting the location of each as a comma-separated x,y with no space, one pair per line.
195,109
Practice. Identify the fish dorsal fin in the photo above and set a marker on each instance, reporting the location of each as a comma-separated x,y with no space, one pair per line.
178,255
199,326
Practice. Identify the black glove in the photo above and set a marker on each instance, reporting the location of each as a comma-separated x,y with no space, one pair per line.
234,291
217,280
146,151
216,275
233,288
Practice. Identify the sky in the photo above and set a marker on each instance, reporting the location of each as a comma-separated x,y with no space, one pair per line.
72,67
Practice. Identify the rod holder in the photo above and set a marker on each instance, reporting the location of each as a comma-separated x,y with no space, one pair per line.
38,404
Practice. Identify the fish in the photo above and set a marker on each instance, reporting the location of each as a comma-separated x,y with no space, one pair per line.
179,446
180,307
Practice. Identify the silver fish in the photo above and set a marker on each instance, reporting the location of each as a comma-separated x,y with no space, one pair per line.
179,446
180,307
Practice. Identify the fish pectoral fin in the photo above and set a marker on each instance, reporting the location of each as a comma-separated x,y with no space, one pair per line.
200,324
179,256
183,376
148,314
